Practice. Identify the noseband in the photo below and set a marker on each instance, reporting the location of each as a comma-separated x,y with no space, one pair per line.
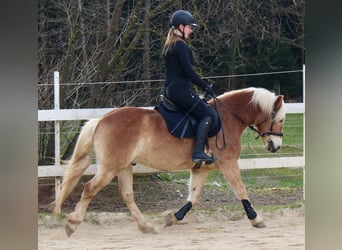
263,134
270,132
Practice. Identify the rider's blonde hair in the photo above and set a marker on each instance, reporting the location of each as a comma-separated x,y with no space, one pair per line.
171,38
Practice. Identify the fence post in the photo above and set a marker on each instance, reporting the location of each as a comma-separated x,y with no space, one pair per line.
57,134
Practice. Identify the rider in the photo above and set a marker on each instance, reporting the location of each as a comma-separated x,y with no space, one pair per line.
180,76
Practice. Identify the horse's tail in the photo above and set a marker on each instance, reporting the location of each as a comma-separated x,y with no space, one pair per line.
80,160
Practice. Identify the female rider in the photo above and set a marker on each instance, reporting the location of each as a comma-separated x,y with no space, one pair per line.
180,76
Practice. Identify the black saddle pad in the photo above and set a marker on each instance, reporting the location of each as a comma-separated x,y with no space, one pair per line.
178,121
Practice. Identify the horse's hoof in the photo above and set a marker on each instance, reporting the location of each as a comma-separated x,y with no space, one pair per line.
150,230
260,225
70,229
258,222
170,220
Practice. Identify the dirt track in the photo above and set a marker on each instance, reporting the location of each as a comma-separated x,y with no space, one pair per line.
285,230
218,222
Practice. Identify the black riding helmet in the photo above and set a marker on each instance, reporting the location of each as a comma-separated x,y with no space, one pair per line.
182,17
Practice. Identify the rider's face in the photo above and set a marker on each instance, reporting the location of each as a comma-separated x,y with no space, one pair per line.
187,29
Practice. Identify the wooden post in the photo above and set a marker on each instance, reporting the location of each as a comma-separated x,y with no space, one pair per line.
57,135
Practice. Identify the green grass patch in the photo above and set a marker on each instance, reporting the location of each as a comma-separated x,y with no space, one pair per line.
275,177
292,140
257,178
179,176
60,216
275,208
51,221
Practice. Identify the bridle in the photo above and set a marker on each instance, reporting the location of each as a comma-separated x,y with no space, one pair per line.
270,132
252,127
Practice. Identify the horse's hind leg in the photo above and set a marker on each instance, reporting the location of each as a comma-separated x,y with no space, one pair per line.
91,188
233,176
125,178
197,180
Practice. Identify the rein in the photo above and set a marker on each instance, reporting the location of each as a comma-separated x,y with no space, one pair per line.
219,115
222,127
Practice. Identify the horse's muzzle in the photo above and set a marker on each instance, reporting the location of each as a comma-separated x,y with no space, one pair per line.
271,147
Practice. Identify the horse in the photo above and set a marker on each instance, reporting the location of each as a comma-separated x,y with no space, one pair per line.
135,135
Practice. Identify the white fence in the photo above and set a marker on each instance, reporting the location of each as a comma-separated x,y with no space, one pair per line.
58,115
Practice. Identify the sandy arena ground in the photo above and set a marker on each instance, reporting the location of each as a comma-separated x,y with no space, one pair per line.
285,230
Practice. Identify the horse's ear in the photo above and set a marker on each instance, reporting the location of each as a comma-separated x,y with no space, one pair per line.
278,102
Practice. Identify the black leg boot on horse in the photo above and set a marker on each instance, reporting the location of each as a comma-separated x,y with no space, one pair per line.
198,154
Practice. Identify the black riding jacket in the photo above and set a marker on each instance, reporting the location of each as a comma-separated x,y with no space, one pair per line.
179,78
178,63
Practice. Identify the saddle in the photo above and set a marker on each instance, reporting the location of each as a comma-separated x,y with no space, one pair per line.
180,123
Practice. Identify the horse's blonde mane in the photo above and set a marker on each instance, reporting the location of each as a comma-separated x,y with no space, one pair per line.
264,99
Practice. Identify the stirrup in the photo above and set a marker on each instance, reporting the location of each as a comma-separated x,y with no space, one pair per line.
211,161
208,160
197,165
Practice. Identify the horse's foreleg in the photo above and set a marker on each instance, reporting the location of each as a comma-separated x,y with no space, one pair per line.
197,180
125,178
233,176
91,188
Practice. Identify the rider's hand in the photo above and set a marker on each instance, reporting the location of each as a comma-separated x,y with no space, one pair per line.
209,90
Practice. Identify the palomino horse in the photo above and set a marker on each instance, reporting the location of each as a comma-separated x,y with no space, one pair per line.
131,135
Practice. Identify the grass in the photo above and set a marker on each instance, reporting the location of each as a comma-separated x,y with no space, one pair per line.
51,221
274,208
292,140
281,178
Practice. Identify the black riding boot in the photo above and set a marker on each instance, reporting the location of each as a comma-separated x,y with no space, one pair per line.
198,154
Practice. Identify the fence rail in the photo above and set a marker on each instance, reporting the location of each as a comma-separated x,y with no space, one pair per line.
257,163
86,114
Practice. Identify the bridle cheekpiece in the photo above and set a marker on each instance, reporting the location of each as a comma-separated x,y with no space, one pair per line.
270,132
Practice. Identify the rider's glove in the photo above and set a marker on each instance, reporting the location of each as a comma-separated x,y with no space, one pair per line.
209,90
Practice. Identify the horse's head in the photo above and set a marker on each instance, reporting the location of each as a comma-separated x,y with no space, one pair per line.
271,129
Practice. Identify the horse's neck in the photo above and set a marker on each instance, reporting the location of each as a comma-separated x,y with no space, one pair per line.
242,113
249,115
